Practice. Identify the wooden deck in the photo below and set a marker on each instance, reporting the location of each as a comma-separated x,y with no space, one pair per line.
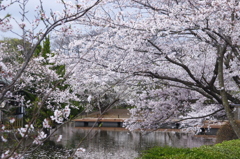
111,118
115,118
100,120
213,125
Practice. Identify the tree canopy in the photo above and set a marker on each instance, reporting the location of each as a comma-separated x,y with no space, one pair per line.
169,60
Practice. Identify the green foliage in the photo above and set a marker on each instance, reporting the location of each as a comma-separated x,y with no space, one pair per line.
30,94
12,43
38,51
225,150
45,51
46,47
60,70
162,152
12,49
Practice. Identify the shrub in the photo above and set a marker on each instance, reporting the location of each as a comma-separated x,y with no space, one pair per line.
226,133
225,150
162,152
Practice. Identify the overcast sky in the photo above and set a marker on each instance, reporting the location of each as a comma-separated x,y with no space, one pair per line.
31,6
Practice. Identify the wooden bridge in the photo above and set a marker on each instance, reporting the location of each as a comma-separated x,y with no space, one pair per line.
114,119
99,122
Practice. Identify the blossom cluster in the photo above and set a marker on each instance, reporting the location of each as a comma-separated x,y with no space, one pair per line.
39,139
27,129
60,115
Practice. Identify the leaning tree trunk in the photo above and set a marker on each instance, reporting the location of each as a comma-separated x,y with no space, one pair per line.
229,113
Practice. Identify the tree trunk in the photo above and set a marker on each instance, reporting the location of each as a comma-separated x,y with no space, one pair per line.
229,112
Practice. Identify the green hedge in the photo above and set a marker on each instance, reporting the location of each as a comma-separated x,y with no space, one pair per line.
225,150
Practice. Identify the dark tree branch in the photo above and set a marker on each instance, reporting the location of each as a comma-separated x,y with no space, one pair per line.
199,117
156,75
147,5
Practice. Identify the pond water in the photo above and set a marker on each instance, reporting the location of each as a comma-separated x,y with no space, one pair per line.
118,143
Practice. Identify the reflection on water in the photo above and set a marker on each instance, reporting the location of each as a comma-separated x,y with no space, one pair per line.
118,143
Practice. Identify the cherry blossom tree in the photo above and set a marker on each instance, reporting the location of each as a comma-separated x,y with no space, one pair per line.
179,59
33,79
168,59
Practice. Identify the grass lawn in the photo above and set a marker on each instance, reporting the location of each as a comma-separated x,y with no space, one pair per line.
225,150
